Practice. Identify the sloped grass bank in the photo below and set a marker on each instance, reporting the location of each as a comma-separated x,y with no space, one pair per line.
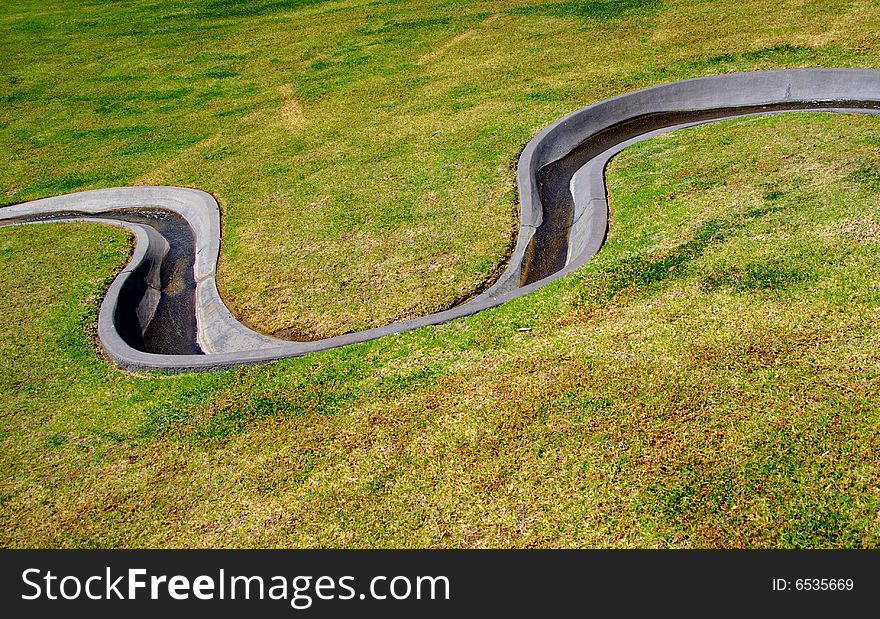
710,379
362,152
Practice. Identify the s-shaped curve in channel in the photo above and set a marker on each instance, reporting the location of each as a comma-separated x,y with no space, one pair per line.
163,311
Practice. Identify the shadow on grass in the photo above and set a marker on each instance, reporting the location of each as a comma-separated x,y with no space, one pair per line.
649,270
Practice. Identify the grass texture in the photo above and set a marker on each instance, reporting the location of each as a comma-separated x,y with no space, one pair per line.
363,152
710,379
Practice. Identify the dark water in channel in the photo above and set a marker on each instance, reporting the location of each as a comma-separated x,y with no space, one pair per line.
548,250
172,331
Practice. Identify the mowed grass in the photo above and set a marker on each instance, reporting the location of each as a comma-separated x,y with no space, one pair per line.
362,152
709,380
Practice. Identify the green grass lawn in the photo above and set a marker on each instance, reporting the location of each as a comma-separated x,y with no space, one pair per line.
710,379
362,152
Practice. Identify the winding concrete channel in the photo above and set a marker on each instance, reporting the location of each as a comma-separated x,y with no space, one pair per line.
163,311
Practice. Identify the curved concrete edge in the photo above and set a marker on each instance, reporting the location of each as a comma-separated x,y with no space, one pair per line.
145,263
217,329
728,90
227,342
590,221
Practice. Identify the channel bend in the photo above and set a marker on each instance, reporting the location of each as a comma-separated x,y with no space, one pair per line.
163,311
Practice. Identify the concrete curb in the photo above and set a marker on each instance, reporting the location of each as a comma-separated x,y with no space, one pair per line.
606,127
